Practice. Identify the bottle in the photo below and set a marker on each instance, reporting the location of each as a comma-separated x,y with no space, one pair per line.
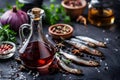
100,13
36,51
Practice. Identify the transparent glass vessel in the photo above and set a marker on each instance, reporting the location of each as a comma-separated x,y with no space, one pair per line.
101,13
36,51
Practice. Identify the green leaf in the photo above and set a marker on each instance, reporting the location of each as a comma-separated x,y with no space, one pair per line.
8,6
2,10
67,61
52,7
55,13
1,38
6,34
19,5
66,19
6,27
52,1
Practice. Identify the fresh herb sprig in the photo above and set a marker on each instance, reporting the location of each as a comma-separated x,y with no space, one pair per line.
6,34
55,13
67,61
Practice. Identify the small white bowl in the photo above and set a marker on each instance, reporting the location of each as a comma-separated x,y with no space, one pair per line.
8,53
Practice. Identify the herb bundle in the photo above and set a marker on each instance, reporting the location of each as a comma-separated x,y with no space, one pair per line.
55,13
6,34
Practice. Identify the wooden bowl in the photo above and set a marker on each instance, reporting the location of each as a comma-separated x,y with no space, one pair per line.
57,33
74,12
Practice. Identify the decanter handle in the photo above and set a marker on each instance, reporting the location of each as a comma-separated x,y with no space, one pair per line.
23,37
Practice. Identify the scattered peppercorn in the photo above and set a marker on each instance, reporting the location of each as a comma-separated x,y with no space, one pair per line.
102,58
93,58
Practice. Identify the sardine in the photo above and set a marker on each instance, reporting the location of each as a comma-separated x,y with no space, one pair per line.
67,68
88,39
79,60
83,42
85,48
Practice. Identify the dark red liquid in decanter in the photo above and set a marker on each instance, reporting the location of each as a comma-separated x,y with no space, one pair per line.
37,54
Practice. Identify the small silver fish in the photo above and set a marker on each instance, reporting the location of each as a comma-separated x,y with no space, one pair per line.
85,48
79,60
83,42
88,39
66,68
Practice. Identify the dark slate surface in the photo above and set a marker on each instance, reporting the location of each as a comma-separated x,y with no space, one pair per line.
9,68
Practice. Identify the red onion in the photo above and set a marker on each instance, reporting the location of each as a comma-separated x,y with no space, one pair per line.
15,18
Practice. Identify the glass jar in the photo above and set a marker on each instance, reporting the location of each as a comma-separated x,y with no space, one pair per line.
36,51
101,13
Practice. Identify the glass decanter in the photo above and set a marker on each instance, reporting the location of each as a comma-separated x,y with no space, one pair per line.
101,12
36,51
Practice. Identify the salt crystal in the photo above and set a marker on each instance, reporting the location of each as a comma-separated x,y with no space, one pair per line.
116,50
103,31
37,74
100,60
47,35
107,39
34,78
29,72
70,77
22,77
33,74
97,69
106,64
64,74
107,68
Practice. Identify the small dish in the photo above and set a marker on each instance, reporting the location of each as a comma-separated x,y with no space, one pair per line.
72,10
7,49
58,31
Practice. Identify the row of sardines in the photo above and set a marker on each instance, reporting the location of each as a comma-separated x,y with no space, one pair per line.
85,45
